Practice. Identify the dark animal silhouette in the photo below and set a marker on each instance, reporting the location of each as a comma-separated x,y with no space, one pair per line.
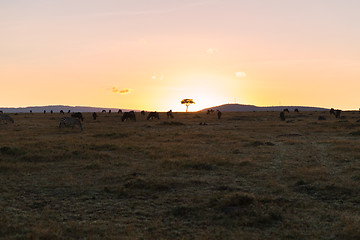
78,115
296,110
153,115
169,114
336,113
30,111
142,113
1,111
120,111
286,110
44,111
109,111
62,112
94,115
68,111
70,122
6,119
103,111
209,111
51,111
282,116
128,115
218,114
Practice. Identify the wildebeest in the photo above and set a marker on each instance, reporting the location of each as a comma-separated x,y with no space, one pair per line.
6,118
94,115
218,114
169,114
44,111
336,112
30,111
282,116
70,122
1,111
109,111
103,111
209,111
68,111
62,112
128,115
51,111
286,110
296,110
120,111
153,115
142,113
78,115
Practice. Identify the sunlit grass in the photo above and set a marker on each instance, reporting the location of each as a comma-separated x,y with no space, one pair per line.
242,177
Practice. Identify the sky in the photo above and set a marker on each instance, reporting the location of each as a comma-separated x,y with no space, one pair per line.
151,54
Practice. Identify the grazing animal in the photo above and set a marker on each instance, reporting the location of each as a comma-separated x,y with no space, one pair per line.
321,118
94,115
296,110
6,119
209,111
109,111
30,111
120,111
70,122
62,112
68,111
44,111
1,111
336,112
282,116
153,115
128,115
286,110
218,114
78,115
103,111
51,111
169,114
142,113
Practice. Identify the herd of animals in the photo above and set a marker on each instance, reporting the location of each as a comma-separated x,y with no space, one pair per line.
336,113
77,117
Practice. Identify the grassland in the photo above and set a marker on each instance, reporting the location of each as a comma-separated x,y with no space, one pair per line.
246,176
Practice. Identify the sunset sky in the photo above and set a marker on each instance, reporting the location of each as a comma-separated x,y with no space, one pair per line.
151,54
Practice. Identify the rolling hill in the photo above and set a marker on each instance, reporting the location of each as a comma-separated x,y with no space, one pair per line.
250,108
223,108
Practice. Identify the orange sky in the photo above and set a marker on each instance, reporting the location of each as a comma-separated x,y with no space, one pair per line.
152,54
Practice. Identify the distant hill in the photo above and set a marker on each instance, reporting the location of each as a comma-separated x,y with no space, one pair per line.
57,108
223,108
251,108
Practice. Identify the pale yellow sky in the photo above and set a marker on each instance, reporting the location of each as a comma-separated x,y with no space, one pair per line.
152,54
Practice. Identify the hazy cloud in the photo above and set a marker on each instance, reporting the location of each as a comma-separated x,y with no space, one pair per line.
114,89
240,74
211,51
125,91
161,77
122,91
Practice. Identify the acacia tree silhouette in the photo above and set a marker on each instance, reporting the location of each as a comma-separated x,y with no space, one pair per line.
187,102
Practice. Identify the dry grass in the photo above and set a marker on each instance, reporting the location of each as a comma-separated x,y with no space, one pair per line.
246,176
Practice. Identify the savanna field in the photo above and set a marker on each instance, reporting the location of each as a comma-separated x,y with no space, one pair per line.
246,176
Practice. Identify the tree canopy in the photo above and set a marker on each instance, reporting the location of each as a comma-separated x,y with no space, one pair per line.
187,102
